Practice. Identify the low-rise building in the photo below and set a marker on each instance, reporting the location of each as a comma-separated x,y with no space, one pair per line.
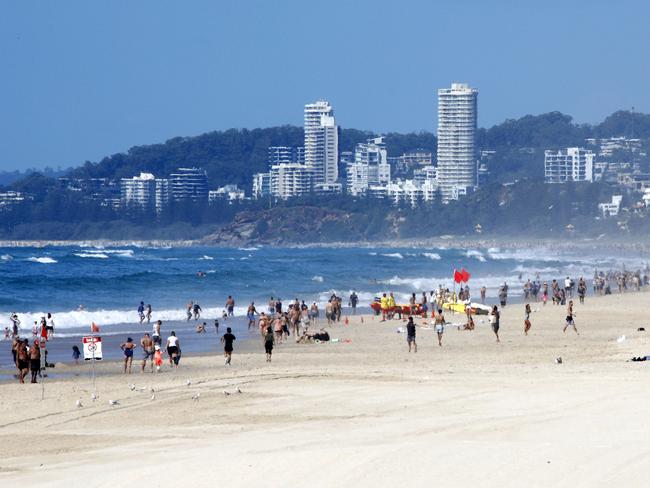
229,193
290,180
568,165
611,209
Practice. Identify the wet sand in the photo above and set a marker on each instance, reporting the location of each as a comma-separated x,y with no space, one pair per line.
359,413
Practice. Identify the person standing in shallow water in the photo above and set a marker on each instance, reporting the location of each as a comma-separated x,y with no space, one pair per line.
35,360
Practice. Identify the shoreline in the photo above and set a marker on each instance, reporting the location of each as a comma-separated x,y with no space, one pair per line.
351,410
443,242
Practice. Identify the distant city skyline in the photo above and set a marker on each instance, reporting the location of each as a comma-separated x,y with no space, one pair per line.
85,80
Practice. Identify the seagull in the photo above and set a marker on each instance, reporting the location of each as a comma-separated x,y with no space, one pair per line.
225,393
93,397
558,360
141,388
238,390
79,404
188,382
113,402
153,396
196,397
132,387
152,390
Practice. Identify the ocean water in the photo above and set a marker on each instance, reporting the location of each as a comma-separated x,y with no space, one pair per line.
111,282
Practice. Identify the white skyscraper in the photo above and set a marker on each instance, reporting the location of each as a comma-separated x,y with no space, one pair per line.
457,114
321,143
370,166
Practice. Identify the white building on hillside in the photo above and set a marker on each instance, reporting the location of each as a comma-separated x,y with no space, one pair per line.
290,180
144,191
321,142
570,164
261,185
457,115
370,166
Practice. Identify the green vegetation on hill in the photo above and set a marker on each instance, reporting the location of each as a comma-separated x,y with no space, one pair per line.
232,156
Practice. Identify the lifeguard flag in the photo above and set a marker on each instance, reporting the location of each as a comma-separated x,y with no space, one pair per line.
94,327
458,277
465,275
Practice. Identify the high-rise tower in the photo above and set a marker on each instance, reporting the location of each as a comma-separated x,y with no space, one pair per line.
321,143
457,113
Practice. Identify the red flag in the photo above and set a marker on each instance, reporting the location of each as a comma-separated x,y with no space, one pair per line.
458,277
465,275
94,327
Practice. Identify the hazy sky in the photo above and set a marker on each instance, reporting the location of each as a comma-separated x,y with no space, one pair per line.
84,79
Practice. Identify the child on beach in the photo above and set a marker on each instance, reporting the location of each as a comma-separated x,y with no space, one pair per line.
157,357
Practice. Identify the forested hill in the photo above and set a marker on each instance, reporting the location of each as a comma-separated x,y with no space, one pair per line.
232,156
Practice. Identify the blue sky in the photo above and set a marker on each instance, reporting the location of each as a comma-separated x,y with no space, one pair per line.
85,79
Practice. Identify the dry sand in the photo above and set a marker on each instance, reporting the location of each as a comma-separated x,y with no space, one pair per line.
364,413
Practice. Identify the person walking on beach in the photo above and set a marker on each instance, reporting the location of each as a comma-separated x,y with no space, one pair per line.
147,351
35,360
156,332
173,349
128,348
569,318
440,326
22,359
544,293
494,321
503,295
410,335
527,323
582,290
268,343
354,300
141,312
227,340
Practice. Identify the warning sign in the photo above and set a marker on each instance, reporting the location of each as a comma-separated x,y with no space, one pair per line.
92,347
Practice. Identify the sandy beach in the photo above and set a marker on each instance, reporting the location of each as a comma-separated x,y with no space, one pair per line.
358,413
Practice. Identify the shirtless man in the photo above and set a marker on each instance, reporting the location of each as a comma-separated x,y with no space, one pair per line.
22,359
230,306
569,318
128,348
295,321
35,360
147,351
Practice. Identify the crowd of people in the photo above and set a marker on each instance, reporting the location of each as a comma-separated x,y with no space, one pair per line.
278,323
